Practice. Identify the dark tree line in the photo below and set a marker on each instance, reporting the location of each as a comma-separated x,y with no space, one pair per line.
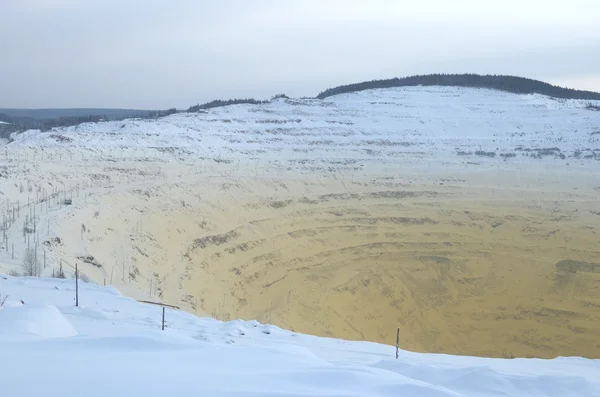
5,117
46,125
20,124
7,129
219,103
518,85
23,124
157,114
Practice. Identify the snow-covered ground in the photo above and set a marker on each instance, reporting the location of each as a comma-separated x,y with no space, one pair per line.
113,346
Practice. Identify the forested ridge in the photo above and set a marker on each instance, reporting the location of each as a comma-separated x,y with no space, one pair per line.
517,85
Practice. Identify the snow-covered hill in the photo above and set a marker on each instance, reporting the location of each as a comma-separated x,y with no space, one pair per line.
383,126
113,346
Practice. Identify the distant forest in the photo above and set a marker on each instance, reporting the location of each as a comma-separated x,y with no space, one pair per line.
45,119
220,103
46,114
517,85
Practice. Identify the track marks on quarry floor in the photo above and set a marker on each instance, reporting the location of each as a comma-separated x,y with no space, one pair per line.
446,276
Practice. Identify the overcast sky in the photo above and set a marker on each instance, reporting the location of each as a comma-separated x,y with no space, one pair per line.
175,53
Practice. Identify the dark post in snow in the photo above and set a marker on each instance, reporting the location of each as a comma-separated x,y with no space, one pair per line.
76,286
397,341
163,319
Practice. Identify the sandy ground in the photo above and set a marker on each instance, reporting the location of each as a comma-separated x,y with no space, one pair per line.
460,268
496,262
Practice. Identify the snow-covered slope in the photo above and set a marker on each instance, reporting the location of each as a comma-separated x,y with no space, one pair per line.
382,126
113,346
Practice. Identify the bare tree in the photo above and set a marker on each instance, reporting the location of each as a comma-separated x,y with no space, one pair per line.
60,273
31,265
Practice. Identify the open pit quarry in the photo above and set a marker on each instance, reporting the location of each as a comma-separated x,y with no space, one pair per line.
468,218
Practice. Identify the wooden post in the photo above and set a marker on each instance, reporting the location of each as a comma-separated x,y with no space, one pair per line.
397,341
163,319
76,286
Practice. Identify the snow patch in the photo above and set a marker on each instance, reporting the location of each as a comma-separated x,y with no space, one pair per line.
43,321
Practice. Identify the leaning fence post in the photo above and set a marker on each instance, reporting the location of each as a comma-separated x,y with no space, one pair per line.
163,318
397,341
76,286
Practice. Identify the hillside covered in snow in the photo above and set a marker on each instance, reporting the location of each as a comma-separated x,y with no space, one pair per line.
382,126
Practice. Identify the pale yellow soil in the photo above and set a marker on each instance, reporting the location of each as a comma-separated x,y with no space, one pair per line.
480,264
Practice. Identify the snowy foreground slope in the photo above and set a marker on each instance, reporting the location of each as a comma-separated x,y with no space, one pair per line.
113,346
